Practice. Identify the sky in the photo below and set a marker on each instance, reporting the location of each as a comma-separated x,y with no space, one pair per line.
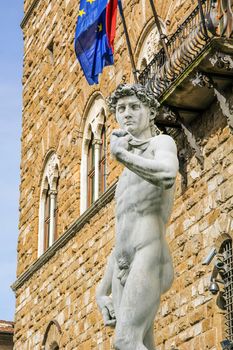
11,62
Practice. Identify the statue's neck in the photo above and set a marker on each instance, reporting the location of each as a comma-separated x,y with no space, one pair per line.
139,143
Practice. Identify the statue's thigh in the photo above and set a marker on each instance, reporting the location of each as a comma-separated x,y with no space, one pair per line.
117,290
167,271
141,293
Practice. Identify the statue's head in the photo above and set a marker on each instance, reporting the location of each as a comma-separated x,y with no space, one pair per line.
128,96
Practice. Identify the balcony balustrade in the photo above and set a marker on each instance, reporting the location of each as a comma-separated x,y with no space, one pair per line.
199,64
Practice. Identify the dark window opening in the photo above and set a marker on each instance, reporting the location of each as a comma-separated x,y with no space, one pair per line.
56,347
102,164
56,216
50,49
47,220
91,171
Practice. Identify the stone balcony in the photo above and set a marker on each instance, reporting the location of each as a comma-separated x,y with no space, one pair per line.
198,66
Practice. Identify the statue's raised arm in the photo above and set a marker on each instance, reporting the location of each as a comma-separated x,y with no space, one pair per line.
161,169
141,266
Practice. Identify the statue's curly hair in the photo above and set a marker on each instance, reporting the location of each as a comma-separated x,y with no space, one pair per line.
140,91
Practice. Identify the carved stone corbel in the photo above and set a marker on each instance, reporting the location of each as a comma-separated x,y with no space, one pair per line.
226,109
174,116
166,117
169,117
202,80
222,61
192,141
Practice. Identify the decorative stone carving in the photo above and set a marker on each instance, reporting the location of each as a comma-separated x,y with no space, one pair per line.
222,60
140,267
226,108
51,169
167,116
202,80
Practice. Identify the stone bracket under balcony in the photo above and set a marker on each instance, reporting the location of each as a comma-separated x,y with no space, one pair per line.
202,82
206,79
197,66
196,69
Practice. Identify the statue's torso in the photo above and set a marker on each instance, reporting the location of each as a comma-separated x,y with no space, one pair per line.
141,211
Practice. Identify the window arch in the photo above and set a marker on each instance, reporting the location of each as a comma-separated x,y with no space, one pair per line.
93,162
149,44
48,204
52,336
54,346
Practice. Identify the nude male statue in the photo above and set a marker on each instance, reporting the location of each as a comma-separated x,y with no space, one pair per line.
140,267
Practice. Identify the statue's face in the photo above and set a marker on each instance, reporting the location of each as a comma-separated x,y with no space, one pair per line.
133,116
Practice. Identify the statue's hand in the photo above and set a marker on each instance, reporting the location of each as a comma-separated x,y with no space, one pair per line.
106,306
119,141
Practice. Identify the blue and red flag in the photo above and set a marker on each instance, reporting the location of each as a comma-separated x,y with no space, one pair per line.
94,36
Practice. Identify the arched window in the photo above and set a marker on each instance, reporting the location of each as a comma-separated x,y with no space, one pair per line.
54,346
48,205
148,44
93,162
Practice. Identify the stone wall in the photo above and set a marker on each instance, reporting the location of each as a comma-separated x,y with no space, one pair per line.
189,317
55,99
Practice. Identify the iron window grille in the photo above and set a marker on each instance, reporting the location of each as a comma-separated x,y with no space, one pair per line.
228,287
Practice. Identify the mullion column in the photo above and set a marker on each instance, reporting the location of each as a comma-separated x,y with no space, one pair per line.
97,144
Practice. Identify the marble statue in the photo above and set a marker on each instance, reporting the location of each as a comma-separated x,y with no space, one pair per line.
140,267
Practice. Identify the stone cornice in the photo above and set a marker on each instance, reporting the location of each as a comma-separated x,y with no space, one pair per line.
104,199
28,13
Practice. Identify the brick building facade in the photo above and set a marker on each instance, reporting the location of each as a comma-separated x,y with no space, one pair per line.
66,228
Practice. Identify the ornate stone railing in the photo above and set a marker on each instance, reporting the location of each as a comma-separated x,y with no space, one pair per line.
210,19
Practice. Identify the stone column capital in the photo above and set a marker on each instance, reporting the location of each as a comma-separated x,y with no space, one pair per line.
52,193
97,143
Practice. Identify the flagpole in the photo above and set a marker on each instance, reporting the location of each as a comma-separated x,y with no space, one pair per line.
128,41
157,22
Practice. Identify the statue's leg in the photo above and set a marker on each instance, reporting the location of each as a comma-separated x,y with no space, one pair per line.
167,270
140,298
117,290
149,338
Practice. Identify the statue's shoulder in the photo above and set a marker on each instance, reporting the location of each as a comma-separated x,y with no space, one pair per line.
164,142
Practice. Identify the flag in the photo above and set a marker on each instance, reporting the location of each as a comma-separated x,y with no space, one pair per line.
94,36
